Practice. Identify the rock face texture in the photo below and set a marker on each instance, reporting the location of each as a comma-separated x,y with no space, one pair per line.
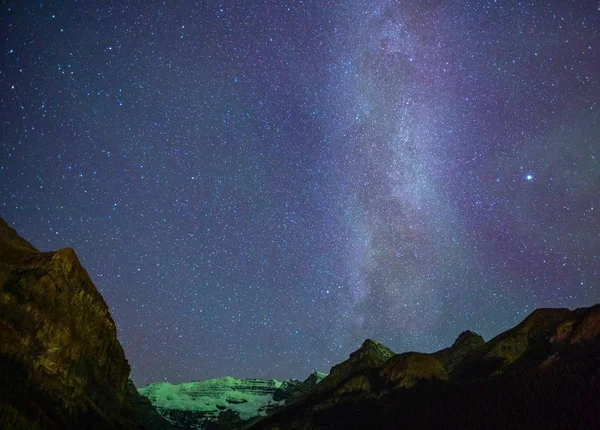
524,344
409,369
61,365
357,374
224,402
543,373
466,343
581,329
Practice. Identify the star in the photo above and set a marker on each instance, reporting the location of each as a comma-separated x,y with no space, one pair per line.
357,180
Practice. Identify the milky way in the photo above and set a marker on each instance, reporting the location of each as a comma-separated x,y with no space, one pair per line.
256,187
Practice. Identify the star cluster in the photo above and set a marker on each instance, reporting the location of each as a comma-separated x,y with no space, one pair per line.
255,187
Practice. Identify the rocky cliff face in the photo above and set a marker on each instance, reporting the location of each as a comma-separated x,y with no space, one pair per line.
580,329
357,375
224,402
61,365
411,368
520,346
466,343
543,373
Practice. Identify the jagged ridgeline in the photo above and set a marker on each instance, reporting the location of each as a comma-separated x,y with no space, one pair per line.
544,373
62,367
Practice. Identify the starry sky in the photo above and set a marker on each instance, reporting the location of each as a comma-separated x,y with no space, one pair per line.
255,187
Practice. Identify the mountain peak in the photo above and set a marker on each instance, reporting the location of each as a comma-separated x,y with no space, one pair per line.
12,246
369,343
468,339
465,343
552,354
370,356
371,347
315,377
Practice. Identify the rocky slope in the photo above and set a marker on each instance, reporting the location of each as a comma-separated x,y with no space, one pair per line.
543,373
224,402
354,374
411,368
525,343
466,343
61,365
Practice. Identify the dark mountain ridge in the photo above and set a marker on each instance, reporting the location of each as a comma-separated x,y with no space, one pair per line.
62,367
543,373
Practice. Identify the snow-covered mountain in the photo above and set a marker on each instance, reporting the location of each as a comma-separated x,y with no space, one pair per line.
197,404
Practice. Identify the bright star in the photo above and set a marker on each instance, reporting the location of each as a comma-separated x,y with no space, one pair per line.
529,177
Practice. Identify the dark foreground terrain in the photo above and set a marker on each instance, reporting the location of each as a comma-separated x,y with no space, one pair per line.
544,373
62,367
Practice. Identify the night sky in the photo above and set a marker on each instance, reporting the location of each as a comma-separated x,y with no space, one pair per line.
256,187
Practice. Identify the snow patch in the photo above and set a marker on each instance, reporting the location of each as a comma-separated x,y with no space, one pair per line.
248,397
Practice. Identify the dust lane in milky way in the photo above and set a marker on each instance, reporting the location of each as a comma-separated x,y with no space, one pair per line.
257,187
